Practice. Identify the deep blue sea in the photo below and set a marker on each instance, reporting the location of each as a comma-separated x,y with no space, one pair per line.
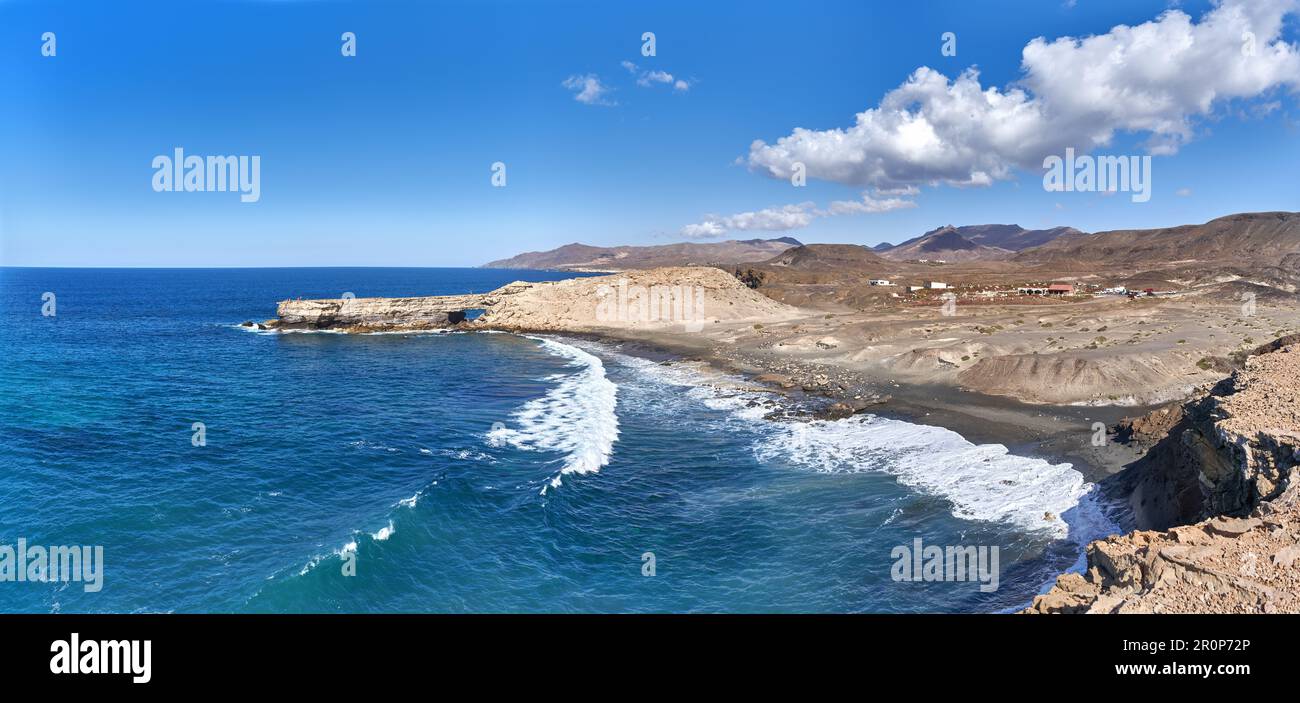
463,472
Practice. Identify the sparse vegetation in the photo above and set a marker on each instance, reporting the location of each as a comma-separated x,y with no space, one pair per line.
750,277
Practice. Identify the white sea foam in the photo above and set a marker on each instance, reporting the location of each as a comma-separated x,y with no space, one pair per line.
578,416
351,547
983,481
276,331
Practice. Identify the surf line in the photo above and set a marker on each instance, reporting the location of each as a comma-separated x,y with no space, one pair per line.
577,416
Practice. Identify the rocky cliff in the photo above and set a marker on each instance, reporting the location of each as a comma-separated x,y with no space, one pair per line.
376,314
1225,464
683,297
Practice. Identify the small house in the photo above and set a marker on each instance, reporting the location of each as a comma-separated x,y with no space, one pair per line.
1060,289
936,285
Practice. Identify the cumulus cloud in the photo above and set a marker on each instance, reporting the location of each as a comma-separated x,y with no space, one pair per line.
774,219
1153,79
869,205
788,217
588,90
649,79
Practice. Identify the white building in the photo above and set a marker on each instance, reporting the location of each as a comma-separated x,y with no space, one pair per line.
913,289
880,282
936,285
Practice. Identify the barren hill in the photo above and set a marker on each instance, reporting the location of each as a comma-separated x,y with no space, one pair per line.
583,257
1261,238
945,243
828,257
662,298
974,242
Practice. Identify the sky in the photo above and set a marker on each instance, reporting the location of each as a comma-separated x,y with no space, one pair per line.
386,157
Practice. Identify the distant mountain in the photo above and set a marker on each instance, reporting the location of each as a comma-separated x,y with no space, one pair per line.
1255,238
829,257
948,244
585,257
974,242
1014,237
883,246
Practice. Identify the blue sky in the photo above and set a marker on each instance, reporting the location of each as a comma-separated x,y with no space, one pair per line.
385,158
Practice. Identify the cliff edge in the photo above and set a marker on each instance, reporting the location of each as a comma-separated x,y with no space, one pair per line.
687,297
1225,465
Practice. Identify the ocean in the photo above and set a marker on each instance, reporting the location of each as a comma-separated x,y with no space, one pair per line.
464,472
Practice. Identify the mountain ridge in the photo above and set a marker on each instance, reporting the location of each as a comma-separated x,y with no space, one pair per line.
990,242
578,256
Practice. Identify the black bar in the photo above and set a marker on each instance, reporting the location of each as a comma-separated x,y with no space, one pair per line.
214,652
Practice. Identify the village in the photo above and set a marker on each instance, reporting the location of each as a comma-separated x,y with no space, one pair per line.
1028,293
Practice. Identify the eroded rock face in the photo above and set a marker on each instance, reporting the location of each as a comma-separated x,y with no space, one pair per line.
376,314
1219,565
1222,452
1227,465
685,298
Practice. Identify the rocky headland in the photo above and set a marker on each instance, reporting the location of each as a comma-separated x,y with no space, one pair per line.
1218,496
1208,478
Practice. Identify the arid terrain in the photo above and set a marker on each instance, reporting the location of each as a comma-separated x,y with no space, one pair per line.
1221,479
1223,289
1182,333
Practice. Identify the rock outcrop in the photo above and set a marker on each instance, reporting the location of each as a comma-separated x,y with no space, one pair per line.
1221,565
683,297
377,314
1227,466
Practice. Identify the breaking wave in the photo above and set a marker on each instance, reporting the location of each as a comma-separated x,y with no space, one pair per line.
982,481
578,416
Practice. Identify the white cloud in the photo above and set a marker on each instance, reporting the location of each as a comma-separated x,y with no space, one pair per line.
588,89
776,219
788,217
1154,79
704,230
1183,192
869,205
649,79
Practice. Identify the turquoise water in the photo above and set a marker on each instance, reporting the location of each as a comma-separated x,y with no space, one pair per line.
462,472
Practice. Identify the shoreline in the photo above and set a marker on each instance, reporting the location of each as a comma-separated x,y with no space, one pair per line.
1058,433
